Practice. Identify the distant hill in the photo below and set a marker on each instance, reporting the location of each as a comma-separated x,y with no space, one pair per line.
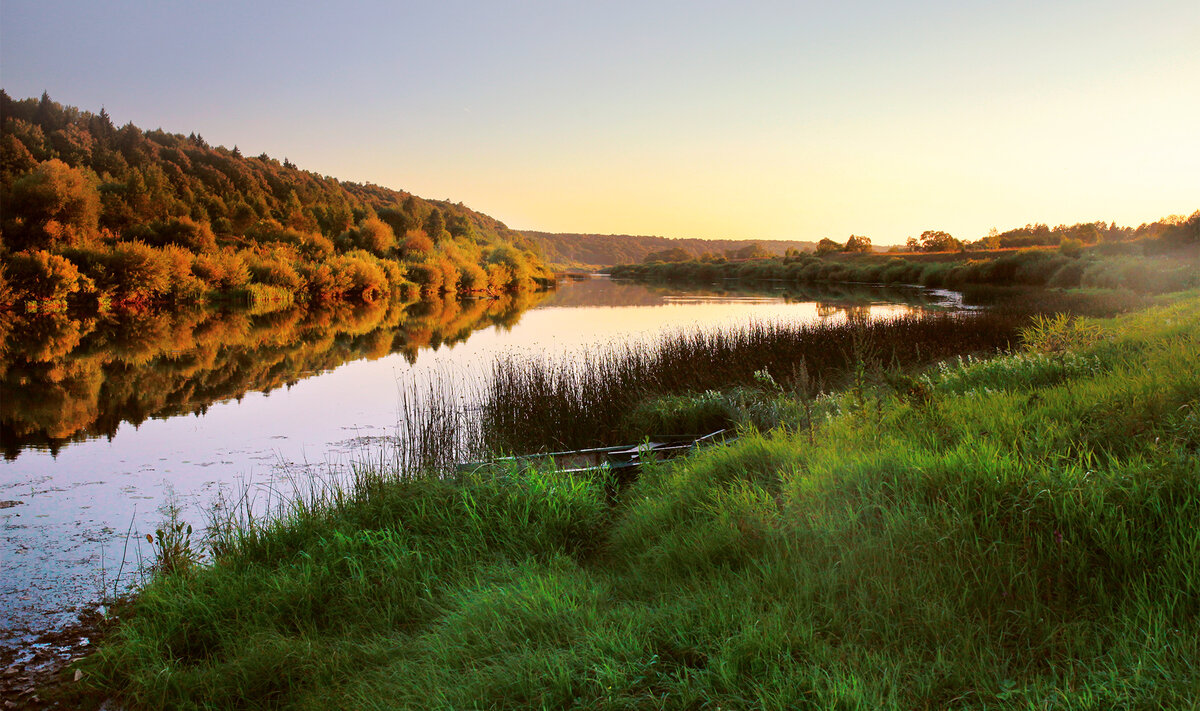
594,250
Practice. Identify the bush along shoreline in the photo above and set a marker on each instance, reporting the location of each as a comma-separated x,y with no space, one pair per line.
1167,263
1003,532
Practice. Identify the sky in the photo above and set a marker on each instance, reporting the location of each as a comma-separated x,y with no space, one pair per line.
750,120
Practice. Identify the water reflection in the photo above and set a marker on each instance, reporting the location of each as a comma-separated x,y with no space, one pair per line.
65,379
244,400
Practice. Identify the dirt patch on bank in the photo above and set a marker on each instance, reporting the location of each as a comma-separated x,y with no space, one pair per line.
37,676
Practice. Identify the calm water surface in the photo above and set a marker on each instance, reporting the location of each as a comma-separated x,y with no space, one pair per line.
103,423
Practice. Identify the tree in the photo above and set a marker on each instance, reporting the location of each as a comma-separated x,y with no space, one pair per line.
754,250
827,246
435,225
54,206
912,244
858,243
375,235
43,275
938,241
674,254
416,242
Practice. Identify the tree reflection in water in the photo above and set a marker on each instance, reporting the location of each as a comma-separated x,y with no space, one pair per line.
65,379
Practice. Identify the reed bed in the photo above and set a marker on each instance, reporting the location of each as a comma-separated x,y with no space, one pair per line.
529,404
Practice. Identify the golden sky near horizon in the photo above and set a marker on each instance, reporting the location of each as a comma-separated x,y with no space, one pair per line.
684,119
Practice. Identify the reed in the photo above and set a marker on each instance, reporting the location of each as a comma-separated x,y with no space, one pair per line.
529,404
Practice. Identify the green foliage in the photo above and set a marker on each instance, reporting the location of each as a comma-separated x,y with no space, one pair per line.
695,415
984,544
1071,247
938,241
172,544
594,400
857,243
1147,274
1058,333
593,250
827,246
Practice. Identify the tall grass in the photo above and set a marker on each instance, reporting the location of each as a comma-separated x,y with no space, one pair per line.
529,403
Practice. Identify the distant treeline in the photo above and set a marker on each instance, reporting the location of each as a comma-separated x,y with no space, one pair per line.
1169,261
93,212
592,250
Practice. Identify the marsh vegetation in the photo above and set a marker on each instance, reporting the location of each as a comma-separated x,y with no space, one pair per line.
976,534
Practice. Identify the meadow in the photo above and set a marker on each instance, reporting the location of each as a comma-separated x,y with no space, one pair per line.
1002,532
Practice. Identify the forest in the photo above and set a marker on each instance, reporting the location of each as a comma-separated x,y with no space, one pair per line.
101,216
595,250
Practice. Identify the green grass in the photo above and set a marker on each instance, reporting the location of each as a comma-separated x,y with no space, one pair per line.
1014,533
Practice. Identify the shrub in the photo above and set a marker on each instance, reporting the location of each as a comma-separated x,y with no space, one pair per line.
360,278
182,231
276,272
41,275
472,277
499,277
417,243
137,272
53,206
427,275
222,270
1070,247
375,236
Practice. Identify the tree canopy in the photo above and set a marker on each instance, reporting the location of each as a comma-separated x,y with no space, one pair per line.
108,199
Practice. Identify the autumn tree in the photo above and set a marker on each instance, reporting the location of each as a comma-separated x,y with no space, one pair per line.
54,206
375,236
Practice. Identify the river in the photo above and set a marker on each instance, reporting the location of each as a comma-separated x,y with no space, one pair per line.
106,422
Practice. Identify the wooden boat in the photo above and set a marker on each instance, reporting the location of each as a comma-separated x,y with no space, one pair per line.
620,457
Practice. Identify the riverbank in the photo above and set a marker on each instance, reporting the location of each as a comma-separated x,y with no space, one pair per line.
996,533
1147,267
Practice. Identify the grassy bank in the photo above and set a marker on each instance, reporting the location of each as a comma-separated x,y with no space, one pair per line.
1149,268
1017,532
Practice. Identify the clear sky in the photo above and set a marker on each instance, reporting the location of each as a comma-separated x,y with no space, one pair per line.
770,120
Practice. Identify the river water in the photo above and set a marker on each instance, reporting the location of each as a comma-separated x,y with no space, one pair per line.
107,422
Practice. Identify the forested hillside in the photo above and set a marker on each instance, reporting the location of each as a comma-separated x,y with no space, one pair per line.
99,214
607,250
